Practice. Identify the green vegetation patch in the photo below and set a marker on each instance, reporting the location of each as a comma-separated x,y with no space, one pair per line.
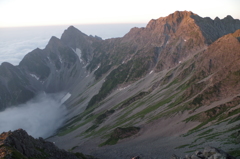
79,101
234,152
237,118
82,156
218,113
121,133
182,146
205,132
99,119
103,116
93,127
133,99
130,71
10,152
71,126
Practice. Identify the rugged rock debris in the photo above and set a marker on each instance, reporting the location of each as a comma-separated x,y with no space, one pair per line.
208,153
18,144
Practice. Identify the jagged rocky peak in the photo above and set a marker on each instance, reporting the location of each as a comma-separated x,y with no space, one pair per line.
228,17
6,64
53,40
186,23
73,29
179,24
217,19
18,144
54,43
71,34
177,16
172,19
7,70
214,29
79,42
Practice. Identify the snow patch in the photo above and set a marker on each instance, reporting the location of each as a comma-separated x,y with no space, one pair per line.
120,89
60,59
79,53
185,40
97,68
50,61
34,76
66,97
180,62
126,60
85,65
151,72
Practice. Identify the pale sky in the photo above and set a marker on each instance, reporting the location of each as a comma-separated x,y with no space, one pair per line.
15,13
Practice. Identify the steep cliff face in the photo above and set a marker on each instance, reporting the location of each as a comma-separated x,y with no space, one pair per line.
214,29
53,69
15,86
163,44
80,43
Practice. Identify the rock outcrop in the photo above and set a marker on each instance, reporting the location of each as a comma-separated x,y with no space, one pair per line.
207,153
18,144
121,133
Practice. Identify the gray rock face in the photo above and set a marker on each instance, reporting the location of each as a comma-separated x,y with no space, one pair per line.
74,38
15,87
54,69
208,153
214,29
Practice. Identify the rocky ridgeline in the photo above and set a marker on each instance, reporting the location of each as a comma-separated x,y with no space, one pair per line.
208,153
18,144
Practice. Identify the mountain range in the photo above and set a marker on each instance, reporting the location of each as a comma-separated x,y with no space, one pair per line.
172,86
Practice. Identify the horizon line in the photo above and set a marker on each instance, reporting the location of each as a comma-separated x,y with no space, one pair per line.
52,25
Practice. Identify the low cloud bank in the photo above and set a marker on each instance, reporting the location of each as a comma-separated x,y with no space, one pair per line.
40,117
13,51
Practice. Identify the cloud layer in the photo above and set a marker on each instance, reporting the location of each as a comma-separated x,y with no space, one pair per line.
40,117
15,43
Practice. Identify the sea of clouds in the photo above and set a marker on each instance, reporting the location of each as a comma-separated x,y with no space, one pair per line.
40,117
15,43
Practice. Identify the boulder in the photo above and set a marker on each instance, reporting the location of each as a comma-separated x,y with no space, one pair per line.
208,153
